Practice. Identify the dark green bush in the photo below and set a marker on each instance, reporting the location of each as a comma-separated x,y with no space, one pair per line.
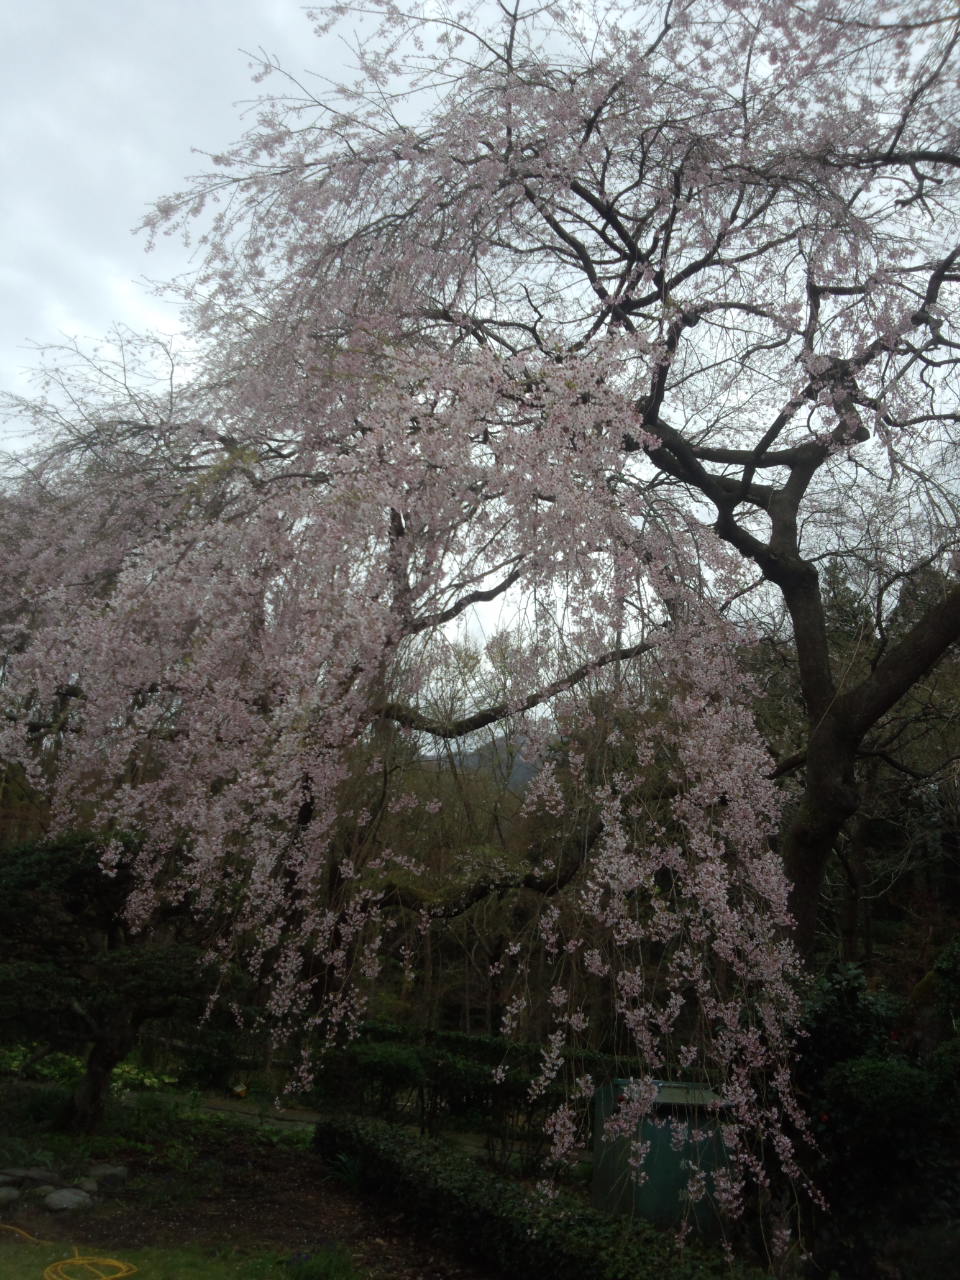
386,1073
944,1068
947,997
376,1078
887,1126
446,1080
488,1217
28,1109
843,1019
889,1164
881,1107
888,1141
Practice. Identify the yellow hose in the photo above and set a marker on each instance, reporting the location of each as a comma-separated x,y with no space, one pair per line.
77,1267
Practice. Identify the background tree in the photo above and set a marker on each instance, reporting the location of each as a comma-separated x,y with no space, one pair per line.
73,977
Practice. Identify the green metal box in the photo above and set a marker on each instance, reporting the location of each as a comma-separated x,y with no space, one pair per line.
661,1197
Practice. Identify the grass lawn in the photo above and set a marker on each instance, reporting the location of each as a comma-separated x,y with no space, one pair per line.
24,1258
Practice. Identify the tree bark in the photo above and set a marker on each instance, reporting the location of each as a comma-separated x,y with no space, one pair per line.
838,727
89,1099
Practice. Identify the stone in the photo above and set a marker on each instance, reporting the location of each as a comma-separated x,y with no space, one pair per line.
87,1184
68,1198
37,1176
108,1175
8,1195
45,1190
23,1177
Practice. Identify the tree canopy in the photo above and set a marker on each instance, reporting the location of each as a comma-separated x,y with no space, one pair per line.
623,320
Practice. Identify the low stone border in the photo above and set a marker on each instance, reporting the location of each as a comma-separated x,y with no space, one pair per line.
55,1192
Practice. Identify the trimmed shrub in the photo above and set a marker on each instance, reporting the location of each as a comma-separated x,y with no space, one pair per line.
889,1166
882,1134
486,1216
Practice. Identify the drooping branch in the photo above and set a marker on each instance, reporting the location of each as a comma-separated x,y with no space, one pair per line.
546,885
453,611
411,718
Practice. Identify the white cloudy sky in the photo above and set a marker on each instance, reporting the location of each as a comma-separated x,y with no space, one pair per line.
100,104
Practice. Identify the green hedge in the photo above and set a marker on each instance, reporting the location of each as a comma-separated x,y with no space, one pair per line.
889,1136
388,1071
495,1051
488,1217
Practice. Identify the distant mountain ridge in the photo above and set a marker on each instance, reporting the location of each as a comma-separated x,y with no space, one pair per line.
501,758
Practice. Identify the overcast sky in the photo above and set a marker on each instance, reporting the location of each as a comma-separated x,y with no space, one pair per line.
101,103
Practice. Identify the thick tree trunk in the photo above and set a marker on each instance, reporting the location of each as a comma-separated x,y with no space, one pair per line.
855,922
839,724
89,1099
806,850
810,831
